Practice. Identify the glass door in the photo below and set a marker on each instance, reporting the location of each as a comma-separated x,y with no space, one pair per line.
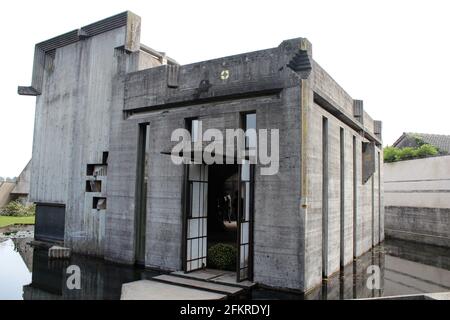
245,222
197,215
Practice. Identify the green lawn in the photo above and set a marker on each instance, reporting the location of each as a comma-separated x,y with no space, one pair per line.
8,221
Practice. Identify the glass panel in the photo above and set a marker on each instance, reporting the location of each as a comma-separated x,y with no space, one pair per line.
205,227
245,170
189,250
247,201
193,228
195,199
250,131
195,130
242,259
250,121
195,251
205,247
200,248
244,232
201,188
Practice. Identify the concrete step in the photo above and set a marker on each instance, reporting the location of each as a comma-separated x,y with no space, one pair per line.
199,284
157,290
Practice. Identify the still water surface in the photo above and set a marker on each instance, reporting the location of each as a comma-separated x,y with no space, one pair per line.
406,268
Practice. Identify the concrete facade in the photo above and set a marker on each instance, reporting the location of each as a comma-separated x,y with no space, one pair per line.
417,200
94,94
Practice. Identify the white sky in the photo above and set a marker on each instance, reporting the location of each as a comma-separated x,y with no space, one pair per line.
394,55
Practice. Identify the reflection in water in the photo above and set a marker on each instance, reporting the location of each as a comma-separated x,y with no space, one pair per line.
14,271
405,268
415,268
99,279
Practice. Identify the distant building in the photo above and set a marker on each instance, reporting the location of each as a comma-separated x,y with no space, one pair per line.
414,140
104,182
16,189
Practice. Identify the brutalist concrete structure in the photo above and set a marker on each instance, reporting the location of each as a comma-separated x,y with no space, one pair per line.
103,183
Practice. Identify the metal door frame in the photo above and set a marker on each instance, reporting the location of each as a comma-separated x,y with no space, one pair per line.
249,266
186,199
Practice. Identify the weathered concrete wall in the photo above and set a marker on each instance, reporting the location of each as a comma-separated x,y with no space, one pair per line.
119,242
417,200
73,117
367,215
5,192
423,183
426,225
85,226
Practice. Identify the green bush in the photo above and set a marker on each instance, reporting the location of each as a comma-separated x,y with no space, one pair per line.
17,209
426,150
392,154
407,153
222,256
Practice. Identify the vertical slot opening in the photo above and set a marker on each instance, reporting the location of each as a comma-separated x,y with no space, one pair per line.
324,197
342,197
141,192
355,194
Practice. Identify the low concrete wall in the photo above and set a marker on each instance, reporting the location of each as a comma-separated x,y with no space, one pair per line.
417,200
426,225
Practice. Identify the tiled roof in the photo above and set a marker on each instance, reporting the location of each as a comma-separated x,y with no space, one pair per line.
441,141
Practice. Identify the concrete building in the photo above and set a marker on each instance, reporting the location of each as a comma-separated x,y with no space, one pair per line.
106,185
417,200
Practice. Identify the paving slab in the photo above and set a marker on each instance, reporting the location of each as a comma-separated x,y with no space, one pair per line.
199,284
155,290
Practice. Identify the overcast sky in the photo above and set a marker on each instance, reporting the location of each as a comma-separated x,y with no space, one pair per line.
394,55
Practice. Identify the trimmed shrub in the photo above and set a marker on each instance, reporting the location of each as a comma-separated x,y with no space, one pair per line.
222,256
17,209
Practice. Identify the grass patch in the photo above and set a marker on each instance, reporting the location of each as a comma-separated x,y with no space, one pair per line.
9,221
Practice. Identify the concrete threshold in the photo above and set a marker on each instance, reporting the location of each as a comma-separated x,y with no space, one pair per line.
216,276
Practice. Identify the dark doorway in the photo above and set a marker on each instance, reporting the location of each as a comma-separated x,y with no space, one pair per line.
223,204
